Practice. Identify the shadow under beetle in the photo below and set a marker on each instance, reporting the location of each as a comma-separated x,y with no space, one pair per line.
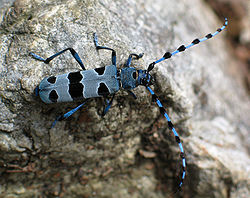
105,81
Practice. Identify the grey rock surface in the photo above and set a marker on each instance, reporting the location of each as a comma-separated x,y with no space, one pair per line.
129,152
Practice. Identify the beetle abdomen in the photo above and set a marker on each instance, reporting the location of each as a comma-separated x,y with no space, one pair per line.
79,85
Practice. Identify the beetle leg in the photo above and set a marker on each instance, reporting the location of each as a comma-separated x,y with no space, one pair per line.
47,60
113,55
131,93
68,114
137,56
109,103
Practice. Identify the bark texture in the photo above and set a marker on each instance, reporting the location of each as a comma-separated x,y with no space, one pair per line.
130,152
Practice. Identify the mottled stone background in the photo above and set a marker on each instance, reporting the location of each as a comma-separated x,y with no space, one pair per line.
130,152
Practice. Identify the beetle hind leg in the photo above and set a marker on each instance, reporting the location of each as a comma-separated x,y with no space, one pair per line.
47,60
68,114
109,103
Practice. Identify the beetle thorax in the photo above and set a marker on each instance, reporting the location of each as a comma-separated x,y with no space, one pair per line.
131,78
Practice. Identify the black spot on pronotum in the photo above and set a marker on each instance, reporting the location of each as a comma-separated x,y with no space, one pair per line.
75,77
100,70
134,75
53,96
51,79
103,90
76,91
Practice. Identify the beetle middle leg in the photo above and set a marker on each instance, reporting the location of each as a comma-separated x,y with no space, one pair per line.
132,94
113,55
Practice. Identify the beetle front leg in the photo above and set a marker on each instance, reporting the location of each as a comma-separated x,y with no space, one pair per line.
137,56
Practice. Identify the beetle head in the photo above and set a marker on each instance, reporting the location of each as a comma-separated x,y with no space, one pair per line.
144,78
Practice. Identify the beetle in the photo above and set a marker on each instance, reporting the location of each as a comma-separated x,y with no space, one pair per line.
106,81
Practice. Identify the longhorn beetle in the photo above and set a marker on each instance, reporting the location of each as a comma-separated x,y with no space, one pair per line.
105,81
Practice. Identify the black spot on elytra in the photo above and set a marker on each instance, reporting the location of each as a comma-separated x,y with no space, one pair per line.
100,70
76,91
75,77
53,96
51,79
75,86
103,90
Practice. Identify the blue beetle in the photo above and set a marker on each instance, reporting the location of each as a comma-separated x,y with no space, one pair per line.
86,84
106,81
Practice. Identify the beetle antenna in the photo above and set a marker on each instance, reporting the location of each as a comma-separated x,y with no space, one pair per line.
182,48
171,127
